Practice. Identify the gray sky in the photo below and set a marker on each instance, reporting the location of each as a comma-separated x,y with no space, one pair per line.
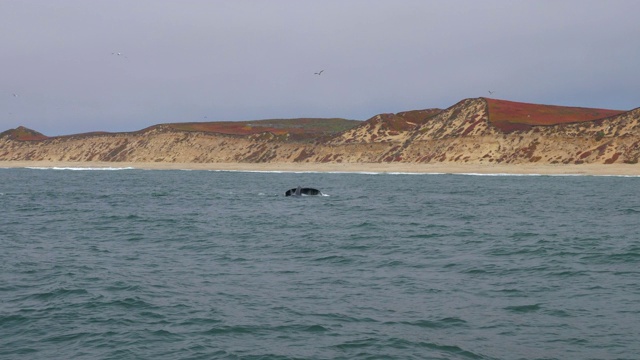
208,60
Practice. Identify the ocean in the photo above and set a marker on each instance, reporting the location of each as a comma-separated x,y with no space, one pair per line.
164,264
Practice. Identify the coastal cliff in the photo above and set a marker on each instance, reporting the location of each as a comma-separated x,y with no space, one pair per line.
473,131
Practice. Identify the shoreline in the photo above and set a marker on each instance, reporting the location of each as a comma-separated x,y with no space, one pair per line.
438,168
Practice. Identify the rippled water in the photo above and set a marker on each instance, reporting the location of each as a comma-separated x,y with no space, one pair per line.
134,264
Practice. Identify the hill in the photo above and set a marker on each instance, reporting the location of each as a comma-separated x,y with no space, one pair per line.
475,131
21,133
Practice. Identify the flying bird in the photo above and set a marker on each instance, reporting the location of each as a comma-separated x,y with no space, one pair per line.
319,72
491,92
14,95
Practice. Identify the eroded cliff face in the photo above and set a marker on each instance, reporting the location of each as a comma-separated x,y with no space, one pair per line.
462,133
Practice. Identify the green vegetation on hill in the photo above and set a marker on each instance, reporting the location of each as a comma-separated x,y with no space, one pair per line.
301,128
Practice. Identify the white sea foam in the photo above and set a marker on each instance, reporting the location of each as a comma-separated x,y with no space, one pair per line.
413,173
554,175
335,172
80,168
497,174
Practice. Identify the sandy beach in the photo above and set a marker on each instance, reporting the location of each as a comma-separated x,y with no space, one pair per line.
447,168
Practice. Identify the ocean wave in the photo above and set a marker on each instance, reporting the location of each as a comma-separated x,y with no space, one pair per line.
80,168
378,173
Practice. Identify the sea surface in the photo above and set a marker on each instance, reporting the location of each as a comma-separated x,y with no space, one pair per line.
162,264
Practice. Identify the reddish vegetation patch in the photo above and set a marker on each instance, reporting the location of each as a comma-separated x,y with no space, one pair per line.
602,148
472,126
402,121
612,159
585,154
417,117
394,123
304,155
510,116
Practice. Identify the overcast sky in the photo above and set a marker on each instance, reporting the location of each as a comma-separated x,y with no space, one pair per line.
215,60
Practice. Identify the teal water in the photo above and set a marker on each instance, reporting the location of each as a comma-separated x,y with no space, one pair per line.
142,264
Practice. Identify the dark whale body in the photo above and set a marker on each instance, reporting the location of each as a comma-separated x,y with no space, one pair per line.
300,191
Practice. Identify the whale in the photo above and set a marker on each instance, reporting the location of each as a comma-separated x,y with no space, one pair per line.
300,191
